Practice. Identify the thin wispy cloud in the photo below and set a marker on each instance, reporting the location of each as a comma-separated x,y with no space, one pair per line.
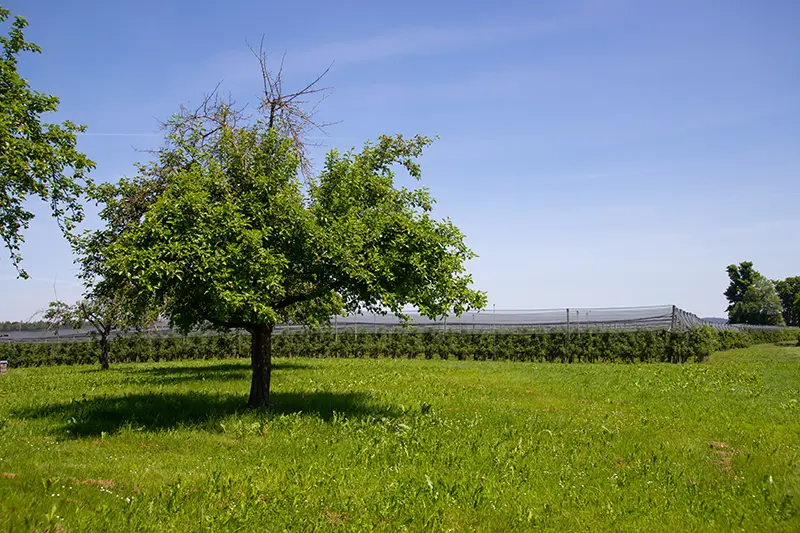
439,39
423,40
237,66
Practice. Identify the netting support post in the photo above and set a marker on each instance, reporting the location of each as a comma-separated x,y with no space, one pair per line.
494,334
567,321
674,316
566,339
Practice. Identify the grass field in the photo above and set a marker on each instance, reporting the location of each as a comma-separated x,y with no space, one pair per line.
380,444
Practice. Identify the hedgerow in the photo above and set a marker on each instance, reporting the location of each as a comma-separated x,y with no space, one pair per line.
598,346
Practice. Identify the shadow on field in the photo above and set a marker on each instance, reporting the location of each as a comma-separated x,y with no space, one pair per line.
210,372
165,411
243,366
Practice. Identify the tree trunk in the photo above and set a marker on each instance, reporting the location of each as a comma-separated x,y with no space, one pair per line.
261,363
104,352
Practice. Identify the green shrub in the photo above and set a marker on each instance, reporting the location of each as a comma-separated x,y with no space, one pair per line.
703,341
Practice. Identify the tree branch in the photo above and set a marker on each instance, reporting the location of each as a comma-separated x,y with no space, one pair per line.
225,324
298,298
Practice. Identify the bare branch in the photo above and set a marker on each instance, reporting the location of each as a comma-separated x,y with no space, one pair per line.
286,112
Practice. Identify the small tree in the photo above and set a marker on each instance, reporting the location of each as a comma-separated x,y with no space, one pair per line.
789,294
752,297
105,315
36,159
60,315
235,239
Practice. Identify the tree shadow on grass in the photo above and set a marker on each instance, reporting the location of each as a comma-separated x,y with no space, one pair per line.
243,366
176,373
93,417
179,367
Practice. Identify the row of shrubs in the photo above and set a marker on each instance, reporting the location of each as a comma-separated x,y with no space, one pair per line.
601,346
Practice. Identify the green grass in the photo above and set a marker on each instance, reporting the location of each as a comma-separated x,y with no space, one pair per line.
381,444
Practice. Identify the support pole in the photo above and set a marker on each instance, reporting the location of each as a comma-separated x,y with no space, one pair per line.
494,334
567,321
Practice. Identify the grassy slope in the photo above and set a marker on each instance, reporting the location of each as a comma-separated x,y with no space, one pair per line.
353,445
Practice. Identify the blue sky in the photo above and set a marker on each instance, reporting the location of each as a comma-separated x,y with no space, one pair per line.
606,153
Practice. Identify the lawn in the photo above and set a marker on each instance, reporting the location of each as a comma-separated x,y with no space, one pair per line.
382,444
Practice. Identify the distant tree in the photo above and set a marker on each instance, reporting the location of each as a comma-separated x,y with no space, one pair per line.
232,237
60,315
36,159
789,293
741,278
752,297
105,315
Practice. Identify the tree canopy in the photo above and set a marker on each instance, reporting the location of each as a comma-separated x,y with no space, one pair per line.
752,298
36,159
221,231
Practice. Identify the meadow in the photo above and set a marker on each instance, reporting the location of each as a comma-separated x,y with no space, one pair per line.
384,444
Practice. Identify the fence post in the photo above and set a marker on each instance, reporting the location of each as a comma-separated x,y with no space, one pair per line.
672,323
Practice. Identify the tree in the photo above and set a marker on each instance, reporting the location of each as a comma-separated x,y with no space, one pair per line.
752,297
233,238
60,315
741,278
36,159
105,315
789,294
